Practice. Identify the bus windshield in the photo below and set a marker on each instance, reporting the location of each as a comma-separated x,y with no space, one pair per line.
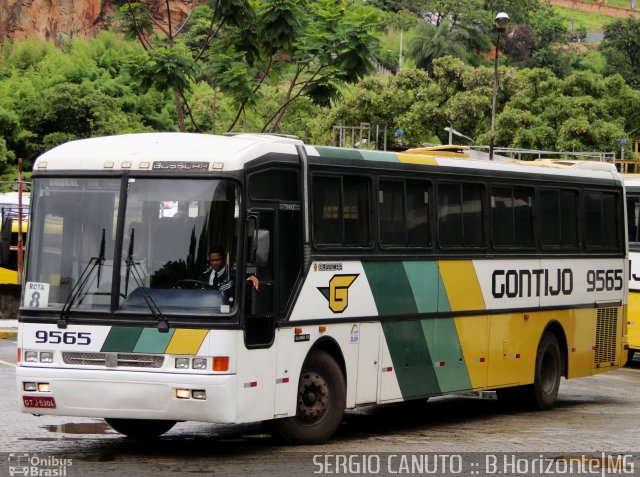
168,227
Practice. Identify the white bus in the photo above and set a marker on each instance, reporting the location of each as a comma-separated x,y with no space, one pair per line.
383,277
632,183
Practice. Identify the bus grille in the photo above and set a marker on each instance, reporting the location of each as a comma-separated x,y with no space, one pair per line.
114,360
606,328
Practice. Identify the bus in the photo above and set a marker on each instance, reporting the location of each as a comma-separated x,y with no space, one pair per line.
632,183
11,207
383,277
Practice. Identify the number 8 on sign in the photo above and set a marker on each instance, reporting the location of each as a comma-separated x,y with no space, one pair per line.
36,295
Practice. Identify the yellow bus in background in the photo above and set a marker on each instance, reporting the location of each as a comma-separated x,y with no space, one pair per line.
11,208
633,226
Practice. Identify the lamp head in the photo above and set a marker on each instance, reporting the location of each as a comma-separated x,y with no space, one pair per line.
502,21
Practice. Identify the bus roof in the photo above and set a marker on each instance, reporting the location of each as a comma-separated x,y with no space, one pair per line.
188,151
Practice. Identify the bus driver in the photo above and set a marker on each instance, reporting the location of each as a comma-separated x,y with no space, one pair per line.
218,276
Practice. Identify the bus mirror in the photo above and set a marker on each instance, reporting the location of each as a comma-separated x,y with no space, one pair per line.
262,239
5,246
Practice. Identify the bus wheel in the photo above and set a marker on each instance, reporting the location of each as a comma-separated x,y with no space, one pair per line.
544,389
140,428
321,402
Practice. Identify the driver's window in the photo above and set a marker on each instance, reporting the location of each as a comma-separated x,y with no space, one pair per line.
170,227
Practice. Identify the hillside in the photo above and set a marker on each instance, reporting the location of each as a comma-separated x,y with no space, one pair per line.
55,21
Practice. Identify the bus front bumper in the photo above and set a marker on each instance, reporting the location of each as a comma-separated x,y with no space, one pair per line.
128,395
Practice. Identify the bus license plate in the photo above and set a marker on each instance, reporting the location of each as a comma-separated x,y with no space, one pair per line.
39,402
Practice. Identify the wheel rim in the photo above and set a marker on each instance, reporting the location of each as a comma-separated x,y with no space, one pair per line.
313,397
548,373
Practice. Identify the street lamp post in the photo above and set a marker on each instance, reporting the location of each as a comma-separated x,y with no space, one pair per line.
501,21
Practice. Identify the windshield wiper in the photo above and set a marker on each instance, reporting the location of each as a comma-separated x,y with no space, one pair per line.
82,282
133,269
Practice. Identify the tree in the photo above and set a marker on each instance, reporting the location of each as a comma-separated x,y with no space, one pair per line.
166,64
621,47
335,47
431,42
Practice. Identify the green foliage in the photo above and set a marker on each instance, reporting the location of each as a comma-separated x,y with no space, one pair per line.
165,69
301,67
621,46
536,109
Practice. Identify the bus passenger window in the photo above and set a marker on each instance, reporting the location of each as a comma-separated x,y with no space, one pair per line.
600,219
392,213
460,215
404,213
511,216
559,214
341,211
633,219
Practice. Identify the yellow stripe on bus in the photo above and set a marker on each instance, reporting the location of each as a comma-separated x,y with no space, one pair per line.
462,286
186,341
473,334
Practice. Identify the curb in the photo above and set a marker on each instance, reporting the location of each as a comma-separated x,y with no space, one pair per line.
8,334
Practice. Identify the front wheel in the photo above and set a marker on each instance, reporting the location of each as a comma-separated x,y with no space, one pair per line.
321,402
140,428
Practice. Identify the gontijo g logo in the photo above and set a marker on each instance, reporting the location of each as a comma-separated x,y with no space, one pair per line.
337,293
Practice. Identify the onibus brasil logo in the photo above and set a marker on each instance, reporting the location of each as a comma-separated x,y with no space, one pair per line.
337,293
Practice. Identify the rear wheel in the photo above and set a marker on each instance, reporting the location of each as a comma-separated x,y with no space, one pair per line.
548,373
140,428
321,402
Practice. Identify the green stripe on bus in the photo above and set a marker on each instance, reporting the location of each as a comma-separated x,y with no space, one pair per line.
423,278
339,153
390,287
121,339
444,347
411,359
153,341
379,156
443,298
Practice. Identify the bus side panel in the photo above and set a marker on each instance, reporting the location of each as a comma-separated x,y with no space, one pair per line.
286,382
513,341
633,320
256,382
292,350
473,332
581,333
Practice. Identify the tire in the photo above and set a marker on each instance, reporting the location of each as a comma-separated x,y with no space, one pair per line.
542,394
544,390
321,403
142,429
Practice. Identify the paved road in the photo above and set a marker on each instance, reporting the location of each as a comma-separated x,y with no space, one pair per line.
593,415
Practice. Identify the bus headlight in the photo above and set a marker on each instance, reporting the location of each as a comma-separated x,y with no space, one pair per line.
46,357
199,363
30,356
182,363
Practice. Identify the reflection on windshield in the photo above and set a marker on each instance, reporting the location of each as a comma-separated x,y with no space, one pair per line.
169,227
70,218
